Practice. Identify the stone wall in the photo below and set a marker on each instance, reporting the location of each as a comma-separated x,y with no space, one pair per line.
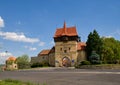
52,59
81,55
35,60
49,58
65,49
39,59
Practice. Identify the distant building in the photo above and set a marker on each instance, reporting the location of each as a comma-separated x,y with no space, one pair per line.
11,63
68,49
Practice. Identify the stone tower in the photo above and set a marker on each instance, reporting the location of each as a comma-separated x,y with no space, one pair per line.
66,40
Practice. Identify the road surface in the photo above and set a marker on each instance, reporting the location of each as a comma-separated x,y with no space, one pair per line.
65,76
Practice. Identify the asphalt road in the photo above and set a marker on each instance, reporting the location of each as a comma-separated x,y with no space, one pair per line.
65,76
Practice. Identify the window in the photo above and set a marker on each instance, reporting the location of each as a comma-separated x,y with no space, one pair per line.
65,51
69,48
60,49
15,66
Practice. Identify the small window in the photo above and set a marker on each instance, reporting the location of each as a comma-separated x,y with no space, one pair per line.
69,49
65,51
15,66
60,49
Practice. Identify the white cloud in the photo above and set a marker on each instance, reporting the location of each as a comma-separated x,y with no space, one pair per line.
114,34
4,56
108,36
41,43
18,37
1,22
30,48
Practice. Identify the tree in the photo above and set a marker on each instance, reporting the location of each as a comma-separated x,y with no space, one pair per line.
23,61
111,50
94,43
89,43
94,58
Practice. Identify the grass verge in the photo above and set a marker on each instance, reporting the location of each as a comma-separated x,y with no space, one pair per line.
16,82
101,66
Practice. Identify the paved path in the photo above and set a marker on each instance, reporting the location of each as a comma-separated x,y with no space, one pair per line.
66,76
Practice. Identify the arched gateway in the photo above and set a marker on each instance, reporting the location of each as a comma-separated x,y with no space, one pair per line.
66,62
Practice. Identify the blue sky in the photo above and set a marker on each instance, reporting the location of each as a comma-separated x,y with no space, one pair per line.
28,26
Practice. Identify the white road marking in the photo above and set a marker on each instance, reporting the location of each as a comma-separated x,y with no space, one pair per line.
85,72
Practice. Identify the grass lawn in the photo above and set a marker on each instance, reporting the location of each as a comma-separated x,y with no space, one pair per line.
16,82
101,66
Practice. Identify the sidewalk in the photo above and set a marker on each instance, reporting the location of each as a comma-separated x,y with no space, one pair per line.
48,68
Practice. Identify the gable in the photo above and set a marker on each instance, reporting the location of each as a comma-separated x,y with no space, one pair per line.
44,52
81,46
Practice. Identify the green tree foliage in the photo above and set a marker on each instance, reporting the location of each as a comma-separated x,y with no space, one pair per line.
10,62
23,62
94,43
85,63
111,50
94,58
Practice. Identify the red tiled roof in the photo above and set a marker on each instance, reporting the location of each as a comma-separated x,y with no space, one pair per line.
68,31
44,52
81,46
52,50
11,58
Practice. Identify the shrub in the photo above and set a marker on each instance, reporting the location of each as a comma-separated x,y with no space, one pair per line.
79,64
36,65
45,63
103,62
94,58
85,63
22,65
40,64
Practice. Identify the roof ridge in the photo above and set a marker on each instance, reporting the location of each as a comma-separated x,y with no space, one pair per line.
64,29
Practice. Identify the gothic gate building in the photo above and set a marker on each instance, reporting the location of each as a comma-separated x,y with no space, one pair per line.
68,49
